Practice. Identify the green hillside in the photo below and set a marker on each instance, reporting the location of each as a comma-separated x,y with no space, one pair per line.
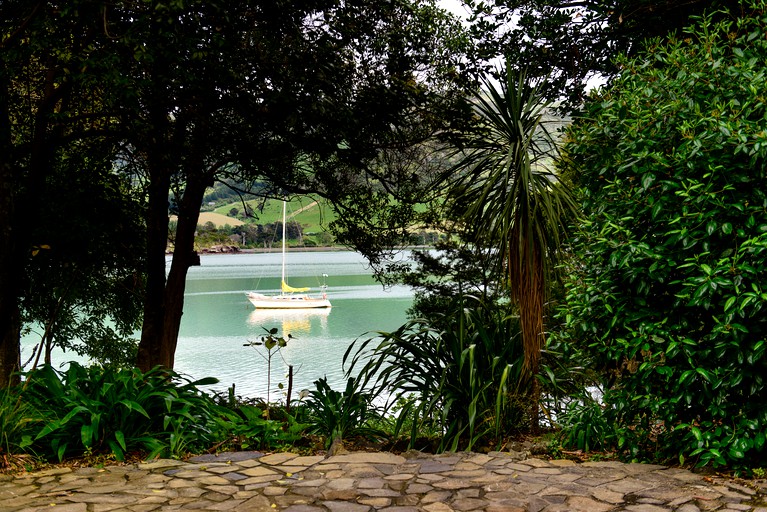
217,219
311,215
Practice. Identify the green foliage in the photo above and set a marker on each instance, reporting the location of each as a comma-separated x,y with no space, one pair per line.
103,410
85,290
586,427
567,43
338,415
273,345
668,298
463,380
502,187
91,411
453,268
18,422
248,428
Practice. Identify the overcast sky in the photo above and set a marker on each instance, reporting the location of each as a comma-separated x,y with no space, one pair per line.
454,6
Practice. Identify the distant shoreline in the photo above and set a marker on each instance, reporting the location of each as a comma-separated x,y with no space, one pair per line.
324,249
291,249
261,250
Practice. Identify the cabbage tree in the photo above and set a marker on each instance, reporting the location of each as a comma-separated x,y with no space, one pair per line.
503,184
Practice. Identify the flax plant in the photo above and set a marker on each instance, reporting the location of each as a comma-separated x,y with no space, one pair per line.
461,379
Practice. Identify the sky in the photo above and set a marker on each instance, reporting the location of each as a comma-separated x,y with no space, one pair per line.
454,6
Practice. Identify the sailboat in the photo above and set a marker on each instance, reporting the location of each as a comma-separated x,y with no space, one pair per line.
289,297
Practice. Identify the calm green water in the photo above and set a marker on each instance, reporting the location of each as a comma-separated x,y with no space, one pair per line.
218,319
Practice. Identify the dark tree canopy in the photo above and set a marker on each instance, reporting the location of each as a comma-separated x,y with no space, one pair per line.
302,97
55,164
571,41
86,282
311,96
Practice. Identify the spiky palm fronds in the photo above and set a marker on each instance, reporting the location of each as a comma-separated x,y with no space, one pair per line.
503,186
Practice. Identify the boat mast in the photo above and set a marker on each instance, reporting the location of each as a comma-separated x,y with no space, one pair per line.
284,232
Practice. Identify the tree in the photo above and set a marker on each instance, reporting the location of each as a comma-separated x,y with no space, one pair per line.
570,42
301,97
668,295
85,288
515,204
453,269
52,112
295,97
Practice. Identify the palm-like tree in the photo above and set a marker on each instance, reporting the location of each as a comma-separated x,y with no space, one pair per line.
503,186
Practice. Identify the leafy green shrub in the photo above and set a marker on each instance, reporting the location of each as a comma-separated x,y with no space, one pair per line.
95,410
585,427
248,427
338,415
669,298
465,378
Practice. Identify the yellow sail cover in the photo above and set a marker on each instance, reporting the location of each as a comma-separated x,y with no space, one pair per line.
286,288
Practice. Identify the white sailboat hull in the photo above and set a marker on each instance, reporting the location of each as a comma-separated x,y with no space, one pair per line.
290,301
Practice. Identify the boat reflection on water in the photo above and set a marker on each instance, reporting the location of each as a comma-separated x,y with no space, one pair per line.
292,321
308,329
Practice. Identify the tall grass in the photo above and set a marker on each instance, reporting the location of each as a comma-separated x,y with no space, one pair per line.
337,415
19,422
463,379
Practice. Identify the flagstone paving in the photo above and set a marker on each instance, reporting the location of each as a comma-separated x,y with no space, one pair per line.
361,482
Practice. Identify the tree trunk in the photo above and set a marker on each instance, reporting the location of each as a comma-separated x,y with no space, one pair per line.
157,240
10,354
10,320
9,310
184,257
526,276
165,298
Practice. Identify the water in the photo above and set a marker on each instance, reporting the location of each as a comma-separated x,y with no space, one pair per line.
218,319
